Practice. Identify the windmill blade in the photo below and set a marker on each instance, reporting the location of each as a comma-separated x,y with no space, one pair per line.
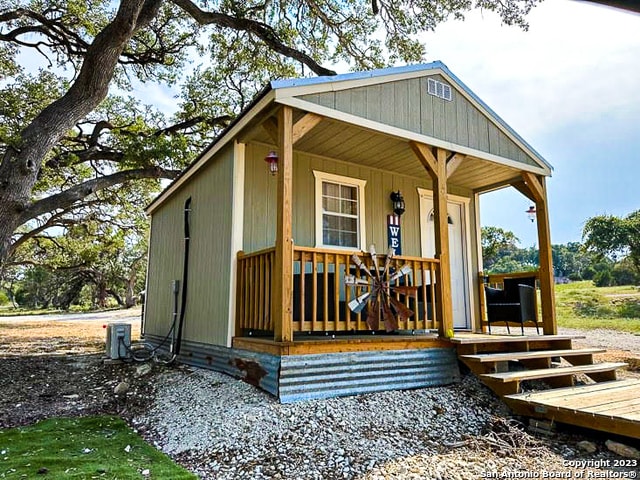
404,290
390,320
360,264
357,304
374,259
353,281
387,262
404,270
401,309
373,321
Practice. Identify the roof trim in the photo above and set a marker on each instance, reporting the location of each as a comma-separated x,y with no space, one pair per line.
406,134
228,135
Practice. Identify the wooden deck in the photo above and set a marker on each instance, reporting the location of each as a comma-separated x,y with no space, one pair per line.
608,406
311,344
504,363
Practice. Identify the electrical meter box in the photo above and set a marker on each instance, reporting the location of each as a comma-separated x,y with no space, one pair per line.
118,341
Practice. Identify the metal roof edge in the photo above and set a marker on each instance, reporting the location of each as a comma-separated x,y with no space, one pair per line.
344,77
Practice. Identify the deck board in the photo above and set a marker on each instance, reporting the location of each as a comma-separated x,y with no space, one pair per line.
608,406
500,357
553,372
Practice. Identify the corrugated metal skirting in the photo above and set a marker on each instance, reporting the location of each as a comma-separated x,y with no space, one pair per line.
304,377
259,369
294,378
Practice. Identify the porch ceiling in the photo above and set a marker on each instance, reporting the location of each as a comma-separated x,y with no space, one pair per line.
349,143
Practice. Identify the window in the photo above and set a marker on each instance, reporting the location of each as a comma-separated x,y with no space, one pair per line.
439,89
339,211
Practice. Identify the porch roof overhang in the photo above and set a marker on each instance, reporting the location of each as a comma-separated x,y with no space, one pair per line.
354,139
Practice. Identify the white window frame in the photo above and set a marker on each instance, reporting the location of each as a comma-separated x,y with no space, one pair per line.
352,182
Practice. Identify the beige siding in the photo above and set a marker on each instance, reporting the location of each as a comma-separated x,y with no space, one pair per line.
260,197
207,312
406,104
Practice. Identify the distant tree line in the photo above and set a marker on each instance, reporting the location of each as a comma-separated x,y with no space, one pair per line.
609,253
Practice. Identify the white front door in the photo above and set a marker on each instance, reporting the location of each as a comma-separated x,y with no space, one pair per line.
457,220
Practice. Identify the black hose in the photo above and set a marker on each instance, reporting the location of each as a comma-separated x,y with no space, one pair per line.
185,274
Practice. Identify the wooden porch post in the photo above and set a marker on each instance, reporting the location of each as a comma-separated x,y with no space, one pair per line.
282,291
435,162
535,186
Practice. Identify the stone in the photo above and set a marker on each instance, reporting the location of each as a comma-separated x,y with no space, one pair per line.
587,446
633,363
622,449
121,388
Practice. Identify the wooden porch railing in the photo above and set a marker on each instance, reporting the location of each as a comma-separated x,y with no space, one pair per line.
254,280
496,280
320,297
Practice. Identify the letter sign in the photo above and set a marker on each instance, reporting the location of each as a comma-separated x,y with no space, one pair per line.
394,239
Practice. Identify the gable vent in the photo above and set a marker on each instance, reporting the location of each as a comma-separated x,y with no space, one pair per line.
439,89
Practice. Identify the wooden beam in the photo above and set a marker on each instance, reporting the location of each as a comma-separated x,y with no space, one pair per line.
547,293
426,157
270,125
305,125
522,187
436,166
534,185
454,162
282,293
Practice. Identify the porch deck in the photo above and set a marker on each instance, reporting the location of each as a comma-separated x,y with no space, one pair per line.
313,344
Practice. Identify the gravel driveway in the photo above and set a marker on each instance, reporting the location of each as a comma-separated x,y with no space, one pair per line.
222,428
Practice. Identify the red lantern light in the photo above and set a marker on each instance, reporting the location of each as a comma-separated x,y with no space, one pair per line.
272,160
531,213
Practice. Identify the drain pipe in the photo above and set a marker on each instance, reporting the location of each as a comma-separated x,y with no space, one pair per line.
185,275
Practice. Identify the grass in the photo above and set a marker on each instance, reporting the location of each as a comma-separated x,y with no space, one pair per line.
582,305
83,448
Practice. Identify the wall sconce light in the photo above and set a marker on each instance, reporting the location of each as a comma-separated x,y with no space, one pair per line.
272,160
398,202
531,213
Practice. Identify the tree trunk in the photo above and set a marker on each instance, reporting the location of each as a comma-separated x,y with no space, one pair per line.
21,163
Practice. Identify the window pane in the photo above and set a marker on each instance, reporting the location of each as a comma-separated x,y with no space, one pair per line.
331,204
349,207
348,224
348,240
331,189
348,192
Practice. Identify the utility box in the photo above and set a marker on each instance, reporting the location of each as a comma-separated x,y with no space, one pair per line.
118,341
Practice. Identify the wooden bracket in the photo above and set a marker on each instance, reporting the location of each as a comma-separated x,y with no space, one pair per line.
305,125
453,162
426,156
534,185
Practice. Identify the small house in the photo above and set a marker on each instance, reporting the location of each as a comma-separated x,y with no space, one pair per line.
261,262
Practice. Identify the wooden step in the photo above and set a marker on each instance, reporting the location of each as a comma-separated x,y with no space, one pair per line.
506,377
477,338
508,356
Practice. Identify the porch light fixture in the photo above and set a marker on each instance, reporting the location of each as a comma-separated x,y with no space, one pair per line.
531,213
272,160
398,203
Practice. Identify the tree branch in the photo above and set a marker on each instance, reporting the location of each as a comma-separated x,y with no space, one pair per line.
83,190
263,31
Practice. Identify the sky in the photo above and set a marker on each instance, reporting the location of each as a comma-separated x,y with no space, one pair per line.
570,86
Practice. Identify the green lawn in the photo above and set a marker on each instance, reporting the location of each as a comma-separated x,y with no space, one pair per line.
581,305
83,448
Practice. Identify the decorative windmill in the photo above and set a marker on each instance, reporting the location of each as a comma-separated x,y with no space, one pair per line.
380,289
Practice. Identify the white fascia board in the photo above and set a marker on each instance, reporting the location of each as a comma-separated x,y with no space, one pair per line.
213,149
407,135
296,91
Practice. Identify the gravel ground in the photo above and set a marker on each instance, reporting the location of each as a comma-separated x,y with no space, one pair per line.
222,428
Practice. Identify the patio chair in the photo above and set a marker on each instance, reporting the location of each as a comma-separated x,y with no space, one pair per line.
516,303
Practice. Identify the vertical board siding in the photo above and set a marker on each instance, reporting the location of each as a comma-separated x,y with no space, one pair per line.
206,314
259,226
406,104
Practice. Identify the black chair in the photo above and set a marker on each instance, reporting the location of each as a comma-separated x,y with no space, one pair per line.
515,303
